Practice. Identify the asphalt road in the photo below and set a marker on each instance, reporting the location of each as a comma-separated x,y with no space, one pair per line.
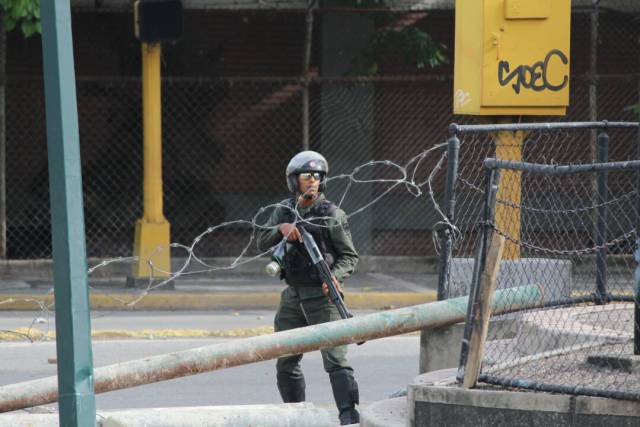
382,366
138,320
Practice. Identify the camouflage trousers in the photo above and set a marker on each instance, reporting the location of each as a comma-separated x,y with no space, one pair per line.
295,313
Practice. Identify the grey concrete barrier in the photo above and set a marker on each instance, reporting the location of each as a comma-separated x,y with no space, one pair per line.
285,415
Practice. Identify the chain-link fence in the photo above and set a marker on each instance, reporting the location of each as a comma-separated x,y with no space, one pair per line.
570,228
226,140
225,148
552,143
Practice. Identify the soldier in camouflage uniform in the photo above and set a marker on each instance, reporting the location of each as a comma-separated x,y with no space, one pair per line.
304,301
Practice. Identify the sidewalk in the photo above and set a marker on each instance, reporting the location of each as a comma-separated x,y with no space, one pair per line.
25,285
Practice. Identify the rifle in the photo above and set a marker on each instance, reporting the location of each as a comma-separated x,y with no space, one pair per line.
324,272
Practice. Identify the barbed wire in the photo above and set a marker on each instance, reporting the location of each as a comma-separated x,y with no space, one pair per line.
592,249
406,177
583,209
524,207
396,176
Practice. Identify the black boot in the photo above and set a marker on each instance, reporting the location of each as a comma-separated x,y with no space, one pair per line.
345,392
291,389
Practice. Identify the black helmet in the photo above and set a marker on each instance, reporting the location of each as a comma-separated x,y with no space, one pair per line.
306,161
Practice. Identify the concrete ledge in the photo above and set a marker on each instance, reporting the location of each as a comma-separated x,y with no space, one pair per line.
440,347
446,404
540,332
285,415
615,408
29,420
385,413
289,415
443,376
555,275
625,363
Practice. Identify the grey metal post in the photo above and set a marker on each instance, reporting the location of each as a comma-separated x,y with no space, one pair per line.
492,180
3,140
73,327
308,37
636,311
602,294
593,64
449,210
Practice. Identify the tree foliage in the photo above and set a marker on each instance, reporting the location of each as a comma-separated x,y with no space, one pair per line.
409,44
23,14
635,109
414,46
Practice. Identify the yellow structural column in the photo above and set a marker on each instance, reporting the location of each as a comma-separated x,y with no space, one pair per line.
509,147
152,234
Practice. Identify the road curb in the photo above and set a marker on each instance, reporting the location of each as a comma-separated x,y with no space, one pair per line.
290,414
204,301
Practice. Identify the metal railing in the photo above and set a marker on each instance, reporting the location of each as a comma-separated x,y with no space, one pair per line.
581,343
545,143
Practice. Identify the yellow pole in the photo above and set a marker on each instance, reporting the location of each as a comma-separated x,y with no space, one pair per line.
152,132
509,147
152,235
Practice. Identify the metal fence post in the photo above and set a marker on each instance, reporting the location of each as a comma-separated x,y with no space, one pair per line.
449,210
73,325
602,294
3,140
491,190
636,311
308,38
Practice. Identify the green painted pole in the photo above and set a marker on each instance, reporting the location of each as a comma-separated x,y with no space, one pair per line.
73,328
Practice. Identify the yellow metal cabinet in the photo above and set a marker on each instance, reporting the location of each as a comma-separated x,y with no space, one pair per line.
512,57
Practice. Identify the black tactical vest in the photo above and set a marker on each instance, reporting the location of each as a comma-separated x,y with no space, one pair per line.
298,267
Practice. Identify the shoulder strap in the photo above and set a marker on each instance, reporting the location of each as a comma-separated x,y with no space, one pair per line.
290,203
326,208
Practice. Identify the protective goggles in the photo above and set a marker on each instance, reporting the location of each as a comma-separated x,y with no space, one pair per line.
306,176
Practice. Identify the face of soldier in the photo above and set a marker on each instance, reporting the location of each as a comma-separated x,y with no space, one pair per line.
308,184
